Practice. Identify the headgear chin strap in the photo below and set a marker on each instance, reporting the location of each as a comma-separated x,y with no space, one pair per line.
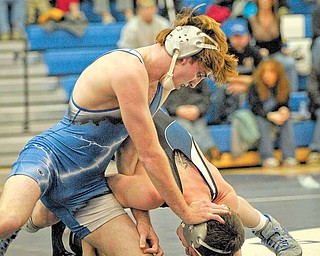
195,236
183,42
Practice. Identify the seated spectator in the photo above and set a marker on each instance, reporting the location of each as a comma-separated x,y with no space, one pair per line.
71,8
248,56
36,8
314,107
102,8
127,7
142,29
268,99
12,23
188,106
265,27
219,10
230,97
316,34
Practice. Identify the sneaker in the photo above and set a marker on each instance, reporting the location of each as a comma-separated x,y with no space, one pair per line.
17,35
313,158
277,239
271,162
5,242
5,37
290,162
213,154
307,181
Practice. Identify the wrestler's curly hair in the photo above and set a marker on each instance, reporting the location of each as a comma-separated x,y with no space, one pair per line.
229,236
220,62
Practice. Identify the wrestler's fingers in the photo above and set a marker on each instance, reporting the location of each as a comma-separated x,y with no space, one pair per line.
154,250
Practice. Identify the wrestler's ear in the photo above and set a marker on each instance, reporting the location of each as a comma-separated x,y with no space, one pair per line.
184,61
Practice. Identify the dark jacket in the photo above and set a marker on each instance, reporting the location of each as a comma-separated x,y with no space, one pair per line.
314,92
258,106
199,96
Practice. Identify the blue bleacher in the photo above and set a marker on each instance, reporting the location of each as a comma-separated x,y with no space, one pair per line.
96,35
194,3
301,6
71,61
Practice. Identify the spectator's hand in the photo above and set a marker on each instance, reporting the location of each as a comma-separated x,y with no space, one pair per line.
285,112
235,87
276,118
264,52
188,112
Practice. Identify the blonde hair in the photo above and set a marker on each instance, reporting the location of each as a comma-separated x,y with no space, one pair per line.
220,62
282,82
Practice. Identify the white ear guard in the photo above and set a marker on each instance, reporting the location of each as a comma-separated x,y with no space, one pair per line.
188,41
195,236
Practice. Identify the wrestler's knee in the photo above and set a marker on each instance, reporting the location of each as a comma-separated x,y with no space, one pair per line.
42,217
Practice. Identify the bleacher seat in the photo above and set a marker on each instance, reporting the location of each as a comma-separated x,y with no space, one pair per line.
296,98
194,3
71,61
301,6
68,83
96,35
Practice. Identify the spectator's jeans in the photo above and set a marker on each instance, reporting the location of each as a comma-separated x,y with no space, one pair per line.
17,15
101,6
316,52
315,144
200,132
283,134
288,63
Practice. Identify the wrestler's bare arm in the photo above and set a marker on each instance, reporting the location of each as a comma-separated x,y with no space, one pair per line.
133,100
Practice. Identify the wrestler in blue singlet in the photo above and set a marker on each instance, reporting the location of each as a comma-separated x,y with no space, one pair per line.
68,161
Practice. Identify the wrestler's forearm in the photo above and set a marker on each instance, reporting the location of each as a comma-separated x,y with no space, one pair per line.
159,172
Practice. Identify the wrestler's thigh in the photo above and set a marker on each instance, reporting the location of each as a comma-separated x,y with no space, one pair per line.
117,237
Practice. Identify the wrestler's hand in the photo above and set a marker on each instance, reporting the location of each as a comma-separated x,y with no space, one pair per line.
149,241
202,211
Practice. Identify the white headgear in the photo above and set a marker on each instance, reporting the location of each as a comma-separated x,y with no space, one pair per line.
182,42
195,236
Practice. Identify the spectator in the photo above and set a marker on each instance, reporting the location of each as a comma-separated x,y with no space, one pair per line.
102,8
230,97
268,100
316,34
35,8
189,107
265,27
142,29
12,23
127,7
71,8
248,56
168,9
219,10
314,107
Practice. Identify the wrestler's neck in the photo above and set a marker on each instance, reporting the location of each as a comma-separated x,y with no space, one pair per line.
157,62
